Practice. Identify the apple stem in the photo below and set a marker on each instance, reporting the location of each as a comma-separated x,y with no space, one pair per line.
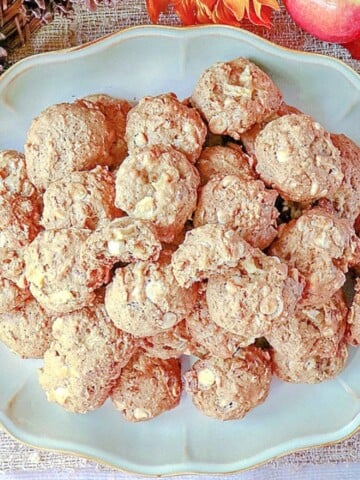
354,48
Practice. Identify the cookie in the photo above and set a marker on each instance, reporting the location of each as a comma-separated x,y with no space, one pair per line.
243,205
115,110
227,389
296,156
147,387
206,338
247,299
13,175
313,369
81,200
346,200
85,359
353,334
124,240
26,330
158,184
319,245
206,251
65,267
233,96
66,138
19,225
311,330
55,277
171,343
163,120
248,138
144,298
224,160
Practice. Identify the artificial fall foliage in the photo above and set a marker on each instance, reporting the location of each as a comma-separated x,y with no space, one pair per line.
229,12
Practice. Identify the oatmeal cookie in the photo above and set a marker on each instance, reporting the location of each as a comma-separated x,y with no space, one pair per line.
353,335
13,175
296,156
85,359
124,240
319,245
346,199
248,138
115,110
224,160
169,344
53,270
312,369
81,200
206,338
243,205
26,330
65,267
163,120
144,298
19,225
206,251
228,389
311,330
147,387
247,299
233,96
64,138
158,184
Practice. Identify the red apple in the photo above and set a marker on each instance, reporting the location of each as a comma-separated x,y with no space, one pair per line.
335,21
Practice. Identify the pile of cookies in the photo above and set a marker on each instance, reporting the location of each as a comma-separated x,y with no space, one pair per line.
223,226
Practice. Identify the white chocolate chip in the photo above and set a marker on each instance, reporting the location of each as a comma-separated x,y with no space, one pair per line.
61,394
206,378
115,247
141,414
145,208
283,156
169,319
271,306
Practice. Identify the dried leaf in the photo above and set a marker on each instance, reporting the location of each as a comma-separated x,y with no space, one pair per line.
230,12
155,7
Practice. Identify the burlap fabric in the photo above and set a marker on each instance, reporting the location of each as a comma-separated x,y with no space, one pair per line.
81,27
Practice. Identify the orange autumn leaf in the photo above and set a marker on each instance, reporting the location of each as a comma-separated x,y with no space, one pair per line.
155,7
229,12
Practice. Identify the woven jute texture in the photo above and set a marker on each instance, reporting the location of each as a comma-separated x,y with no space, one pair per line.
80,28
